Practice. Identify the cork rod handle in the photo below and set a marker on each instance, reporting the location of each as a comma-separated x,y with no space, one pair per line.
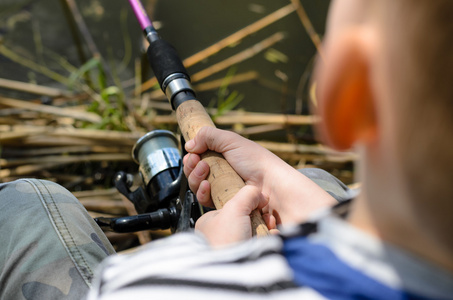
225,182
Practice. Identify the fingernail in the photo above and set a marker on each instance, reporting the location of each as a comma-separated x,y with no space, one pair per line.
199,171
190,145
185,159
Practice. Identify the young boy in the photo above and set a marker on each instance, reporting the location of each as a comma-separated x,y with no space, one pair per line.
385,89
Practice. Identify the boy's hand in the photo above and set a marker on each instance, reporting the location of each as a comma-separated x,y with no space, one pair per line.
292,196
231,224
248,159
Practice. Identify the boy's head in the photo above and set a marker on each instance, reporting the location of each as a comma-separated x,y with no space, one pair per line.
386,86
419,70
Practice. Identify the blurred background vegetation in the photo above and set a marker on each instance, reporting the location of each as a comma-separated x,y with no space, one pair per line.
43,31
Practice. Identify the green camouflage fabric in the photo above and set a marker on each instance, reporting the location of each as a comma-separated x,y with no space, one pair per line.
49,246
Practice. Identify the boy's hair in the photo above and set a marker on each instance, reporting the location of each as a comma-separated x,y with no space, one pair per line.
420,51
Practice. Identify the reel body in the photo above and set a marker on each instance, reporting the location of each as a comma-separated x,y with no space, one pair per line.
162,198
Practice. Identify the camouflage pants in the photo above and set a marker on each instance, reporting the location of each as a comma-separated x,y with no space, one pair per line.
49,244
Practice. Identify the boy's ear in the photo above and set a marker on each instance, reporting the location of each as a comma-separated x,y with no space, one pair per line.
345,99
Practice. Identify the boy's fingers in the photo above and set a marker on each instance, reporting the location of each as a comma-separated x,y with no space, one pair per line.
196,178
207,138
274,231
247,199
204,194
270,221
198,174
264,202
184,159
190,161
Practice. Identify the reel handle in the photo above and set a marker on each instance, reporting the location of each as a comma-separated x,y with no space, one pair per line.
225,182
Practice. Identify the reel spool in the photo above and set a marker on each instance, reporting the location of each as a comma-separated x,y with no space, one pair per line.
160,168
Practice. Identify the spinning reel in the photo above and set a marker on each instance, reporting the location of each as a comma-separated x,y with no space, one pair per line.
162,199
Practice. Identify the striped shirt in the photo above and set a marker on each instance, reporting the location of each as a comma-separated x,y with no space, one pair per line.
323,259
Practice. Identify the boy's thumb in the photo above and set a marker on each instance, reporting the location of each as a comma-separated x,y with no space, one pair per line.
190,145
199,144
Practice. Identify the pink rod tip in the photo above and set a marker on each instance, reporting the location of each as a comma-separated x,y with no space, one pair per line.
140,13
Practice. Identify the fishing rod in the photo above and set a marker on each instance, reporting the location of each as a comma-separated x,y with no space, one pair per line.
174,81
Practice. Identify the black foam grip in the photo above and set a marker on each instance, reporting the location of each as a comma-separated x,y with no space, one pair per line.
164,60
